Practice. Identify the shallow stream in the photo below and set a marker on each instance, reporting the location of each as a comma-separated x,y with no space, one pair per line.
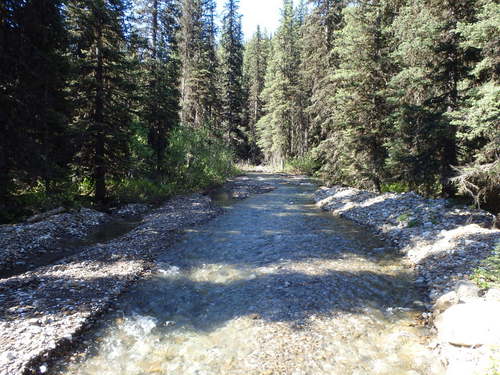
273,286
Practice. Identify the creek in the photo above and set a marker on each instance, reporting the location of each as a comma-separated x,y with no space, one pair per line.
272,286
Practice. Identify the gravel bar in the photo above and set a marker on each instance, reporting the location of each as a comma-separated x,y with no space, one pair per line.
443,243
43,311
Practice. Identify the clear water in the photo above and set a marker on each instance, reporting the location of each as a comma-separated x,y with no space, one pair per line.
68,247
274,286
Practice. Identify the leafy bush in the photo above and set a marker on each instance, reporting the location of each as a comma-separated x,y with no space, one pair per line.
142,190
37,199
196,159
306,164
395,187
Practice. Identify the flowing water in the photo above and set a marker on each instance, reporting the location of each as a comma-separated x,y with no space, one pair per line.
273,286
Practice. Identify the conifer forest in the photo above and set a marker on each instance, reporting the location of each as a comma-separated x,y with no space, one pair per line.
106,101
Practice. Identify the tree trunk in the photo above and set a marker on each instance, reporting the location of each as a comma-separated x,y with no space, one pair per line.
99,167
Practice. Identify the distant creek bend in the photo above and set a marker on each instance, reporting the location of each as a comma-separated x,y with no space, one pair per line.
272,286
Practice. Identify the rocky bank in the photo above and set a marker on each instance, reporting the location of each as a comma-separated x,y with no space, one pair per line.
43,311
444,244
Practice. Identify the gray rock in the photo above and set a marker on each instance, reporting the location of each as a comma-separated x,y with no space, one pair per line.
493,294
445,301
466,290
470,324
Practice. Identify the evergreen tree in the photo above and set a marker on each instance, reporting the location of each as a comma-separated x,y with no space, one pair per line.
200,98
477,118
354,152
232,79
318,65
255,65
161,71
281,131
423,147
100,90
33,74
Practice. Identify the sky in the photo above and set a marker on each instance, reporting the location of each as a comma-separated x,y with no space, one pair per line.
265,13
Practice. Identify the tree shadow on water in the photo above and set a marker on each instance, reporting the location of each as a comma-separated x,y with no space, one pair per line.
288,297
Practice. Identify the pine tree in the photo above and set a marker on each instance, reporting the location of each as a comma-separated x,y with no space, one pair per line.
281,128
200,99
232,79
161,74
318,65
477,118
255,66
101,90
423,147
33,73
354,152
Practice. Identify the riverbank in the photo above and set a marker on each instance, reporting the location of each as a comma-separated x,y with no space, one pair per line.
273,286
444,245
43,311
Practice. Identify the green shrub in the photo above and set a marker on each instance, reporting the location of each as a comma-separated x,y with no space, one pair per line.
487,275
141,190
306,164
37,199
195,159
395,187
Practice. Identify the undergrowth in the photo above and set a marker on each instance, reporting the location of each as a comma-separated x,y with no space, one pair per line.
306,164
194,161
487,275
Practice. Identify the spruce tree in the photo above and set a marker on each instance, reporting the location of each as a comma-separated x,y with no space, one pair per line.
200,99
477,118
35,145
161,69
354,152
423,147
281,131
232,79
255,65
101,90
318,65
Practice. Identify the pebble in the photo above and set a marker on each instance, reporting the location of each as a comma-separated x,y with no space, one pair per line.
443,244
68,296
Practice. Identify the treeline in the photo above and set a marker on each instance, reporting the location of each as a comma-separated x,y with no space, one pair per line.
386,95
131,100
93,94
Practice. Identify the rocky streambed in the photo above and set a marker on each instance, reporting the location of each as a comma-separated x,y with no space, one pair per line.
43,311
444,244
274,286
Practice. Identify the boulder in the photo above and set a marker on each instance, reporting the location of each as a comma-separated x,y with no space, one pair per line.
470,324
445,301
493,294
466,290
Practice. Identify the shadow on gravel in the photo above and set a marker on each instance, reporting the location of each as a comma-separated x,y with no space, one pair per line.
283,297
271,258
